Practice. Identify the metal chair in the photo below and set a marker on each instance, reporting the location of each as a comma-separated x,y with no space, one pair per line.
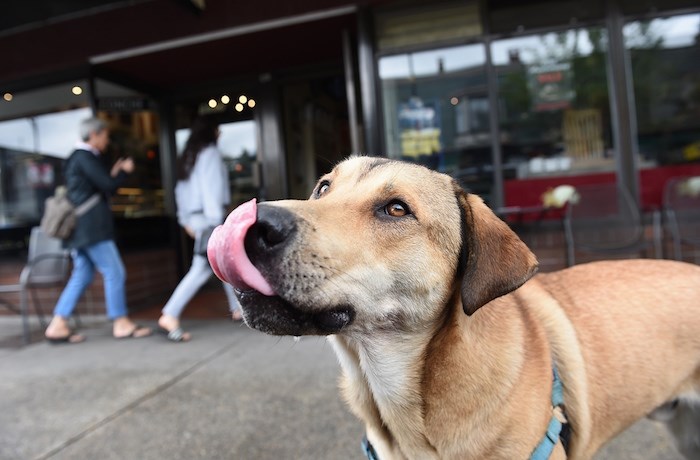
682,211
606,220
47,266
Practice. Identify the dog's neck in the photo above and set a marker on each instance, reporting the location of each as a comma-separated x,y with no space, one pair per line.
387,378
390,368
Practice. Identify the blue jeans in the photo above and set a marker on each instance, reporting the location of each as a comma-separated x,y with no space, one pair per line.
199,273
105,257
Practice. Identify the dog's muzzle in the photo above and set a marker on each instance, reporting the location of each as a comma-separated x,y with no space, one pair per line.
246,252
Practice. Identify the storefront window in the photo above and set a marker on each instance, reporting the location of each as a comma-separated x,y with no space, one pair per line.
32,153
436,112
554,111
665,58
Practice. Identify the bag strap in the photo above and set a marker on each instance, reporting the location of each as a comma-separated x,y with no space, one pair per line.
87,204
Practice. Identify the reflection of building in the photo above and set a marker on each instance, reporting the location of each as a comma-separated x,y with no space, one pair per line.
420,128
520,92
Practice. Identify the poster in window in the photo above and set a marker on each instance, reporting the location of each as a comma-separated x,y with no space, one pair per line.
551,86
419,126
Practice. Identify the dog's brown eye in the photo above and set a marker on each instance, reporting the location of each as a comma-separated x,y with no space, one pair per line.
396,209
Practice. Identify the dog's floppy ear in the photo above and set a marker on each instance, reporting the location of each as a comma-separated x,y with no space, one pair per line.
495,261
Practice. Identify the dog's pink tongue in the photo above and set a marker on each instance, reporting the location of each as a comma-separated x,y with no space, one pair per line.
227,255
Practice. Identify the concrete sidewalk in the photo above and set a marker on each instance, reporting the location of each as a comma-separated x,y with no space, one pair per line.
231,393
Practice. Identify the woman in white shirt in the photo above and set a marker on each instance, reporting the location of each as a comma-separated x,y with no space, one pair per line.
201,194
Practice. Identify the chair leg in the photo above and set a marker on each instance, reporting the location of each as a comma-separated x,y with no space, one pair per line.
23,306
38,308
40,312
658,251
570,249
677,248
675,235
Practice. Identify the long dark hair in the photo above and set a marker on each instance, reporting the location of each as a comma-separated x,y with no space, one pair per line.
203,133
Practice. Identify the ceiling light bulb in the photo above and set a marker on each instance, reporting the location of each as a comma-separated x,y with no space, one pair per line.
212,103
225,99
251,103
77,90
7,97
242,99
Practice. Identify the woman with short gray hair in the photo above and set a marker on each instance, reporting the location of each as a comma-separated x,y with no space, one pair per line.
92,241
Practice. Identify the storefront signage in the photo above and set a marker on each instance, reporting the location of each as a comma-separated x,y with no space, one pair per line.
551,86
123,104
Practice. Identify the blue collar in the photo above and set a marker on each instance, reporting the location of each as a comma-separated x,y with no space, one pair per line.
544,448
368,450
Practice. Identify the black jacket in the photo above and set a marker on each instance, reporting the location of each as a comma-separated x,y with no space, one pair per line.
85,175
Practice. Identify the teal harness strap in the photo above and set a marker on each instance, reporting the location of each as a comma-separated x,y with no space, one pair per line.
368,450
546,446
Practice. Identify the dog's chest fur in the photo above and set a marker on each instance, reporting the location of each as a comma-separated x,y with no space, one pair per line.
388,380
400,387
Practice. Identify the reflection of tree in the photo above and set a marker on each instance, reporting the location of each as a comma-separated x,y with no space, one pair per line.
521,121
588,80
647,73
667,91
515,93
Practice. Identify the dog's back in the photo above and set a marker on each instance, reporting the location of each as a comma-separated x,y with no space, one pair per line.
630,316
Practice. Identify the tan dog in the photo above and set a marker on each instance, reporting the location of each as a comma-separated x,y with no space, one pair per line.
447,349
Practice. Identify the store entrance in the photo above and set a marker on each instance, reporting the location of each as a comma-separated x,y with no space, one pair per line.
316,129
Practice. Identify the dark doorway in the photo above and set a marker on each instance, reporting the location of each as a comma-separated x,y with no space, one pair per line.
316,129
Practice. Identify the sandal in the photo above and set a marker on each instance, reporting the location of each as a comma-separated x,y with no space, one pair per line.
133,334
176,335
69,339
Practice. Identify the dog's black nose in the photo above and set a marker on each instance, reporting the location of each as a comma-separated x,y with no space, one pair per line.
270,233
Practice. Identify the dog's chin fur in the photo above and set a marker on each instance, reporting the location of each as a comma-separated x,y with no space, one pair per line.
276,316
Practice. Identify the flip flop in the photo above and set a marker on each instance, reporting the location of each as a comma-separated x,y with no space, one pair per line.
176,335
69,339
132,335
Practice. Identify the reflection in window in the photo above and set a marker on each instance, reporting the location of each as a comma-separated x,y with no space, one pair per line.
554,110
26,181
57,132
53,134
665,58
32,151
18,135
238,144
436,112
